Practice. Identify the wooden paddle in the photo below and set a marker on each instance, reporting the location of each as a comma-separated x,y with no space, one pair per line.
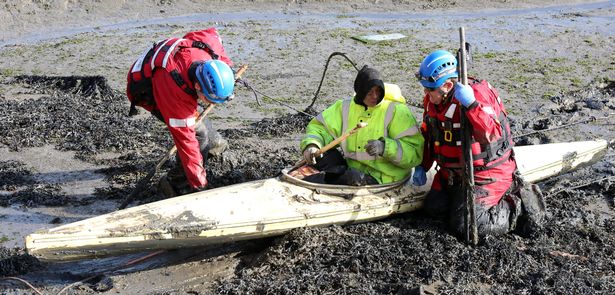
331,144
471,230
145,180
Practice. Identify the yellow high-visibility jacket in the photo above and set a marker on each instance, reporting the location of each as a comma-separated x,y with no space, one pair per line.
390,120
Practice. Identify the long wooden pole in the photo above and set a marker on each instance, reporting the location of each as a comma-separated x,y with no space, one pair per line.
145,180
471,230
331,144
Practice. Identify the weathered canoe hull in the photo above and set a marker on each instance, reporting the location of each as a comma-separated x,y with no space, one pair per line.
263,208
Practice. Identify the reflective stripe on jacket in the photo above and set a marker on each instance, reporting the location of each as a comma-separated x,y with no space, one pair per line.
494,163
390,121
492,142
179,108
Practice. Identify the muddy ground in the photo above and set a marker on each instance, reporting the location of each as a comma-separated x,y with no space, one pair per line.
68,151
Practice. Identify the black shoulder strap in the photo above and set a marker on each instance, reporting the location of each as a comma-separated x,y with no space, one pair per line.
206,47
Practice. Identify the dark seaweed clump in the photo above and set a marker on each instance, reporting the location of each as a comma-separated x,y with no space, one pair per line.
15,262
272,127
14,174
81,114
409,253
19,186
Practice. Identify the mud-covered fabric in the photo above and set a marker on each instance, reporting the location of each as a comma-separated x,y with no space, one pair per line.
490,128
534,208
210,142
333,170
449,205
522,207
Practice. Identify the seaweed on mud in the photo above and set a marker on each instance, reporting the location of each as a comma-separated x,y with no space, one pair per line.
271,127
14,261
281,126
82,114
37,195
595,96
405,253
410,253
241,165
123,172
399,255
74,113
14,174
85,115
86,86
568,109
21,187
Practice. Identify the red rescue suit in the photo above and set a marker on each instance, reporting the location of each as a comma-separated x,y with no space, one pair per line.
179,108
491,148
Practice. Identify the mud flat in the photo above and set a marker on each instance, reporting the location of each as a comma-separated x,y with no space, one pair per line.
68,151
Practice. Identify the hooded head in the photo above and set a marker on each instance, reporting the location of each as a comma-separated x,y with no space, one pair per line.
366,79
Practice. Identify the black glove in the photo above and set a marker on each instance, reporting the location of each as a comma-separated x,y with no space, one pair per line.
375,147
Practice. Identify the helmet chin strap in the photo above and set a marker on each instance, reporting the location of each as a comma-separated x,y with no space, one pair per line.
445,95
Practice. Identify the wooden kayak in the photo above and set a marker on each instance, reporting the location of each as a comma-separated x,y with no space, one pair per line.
268,207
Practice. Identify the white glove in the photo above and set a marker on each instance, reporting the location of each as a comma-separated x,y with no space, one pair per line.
309,154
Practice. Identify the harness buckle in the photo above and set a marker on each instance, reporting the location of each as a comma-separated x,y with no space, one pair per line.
448,135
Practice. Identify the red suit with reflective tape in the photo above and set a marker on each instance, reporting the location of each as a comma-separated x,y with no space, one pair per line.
491,148
179,107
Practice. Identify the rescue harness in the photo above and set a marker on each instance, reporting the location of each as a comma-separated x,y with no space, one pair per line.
139,90
447,132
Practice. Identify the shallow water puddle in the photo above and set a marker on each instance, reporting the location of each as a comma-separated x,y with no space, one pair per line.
77,180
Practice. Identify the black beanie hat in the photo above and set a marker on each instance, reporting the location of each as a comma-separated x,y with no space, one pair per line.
366,79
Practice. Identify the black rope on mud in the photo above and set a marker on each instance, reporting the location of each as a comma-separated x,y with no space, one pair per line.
25,282
322,79
580,185
590,119
245,84
129,263
255,91
309,108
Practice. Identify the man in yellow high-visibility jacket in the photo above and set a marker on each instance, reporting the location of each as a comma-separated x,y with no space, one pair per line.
384,151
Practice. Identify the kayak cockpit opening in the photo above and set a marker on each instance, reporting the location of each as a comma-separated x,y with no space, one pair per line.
293,176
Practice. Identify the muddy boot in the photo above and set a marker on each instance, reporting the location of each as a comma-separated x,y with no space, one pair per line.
516,210
177,180
534,210
165,187
173,188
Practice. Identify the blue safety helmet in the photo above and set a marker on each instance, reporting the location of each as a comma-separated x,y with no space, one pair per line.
436,68
217,80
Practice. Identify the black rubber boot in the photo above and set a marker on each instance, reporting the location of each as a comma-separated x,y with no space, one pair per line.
165,187
534,210
177,181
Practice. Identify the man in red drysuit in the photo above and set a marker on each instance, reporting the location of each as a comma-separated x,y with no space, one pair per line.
503,201
181,71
